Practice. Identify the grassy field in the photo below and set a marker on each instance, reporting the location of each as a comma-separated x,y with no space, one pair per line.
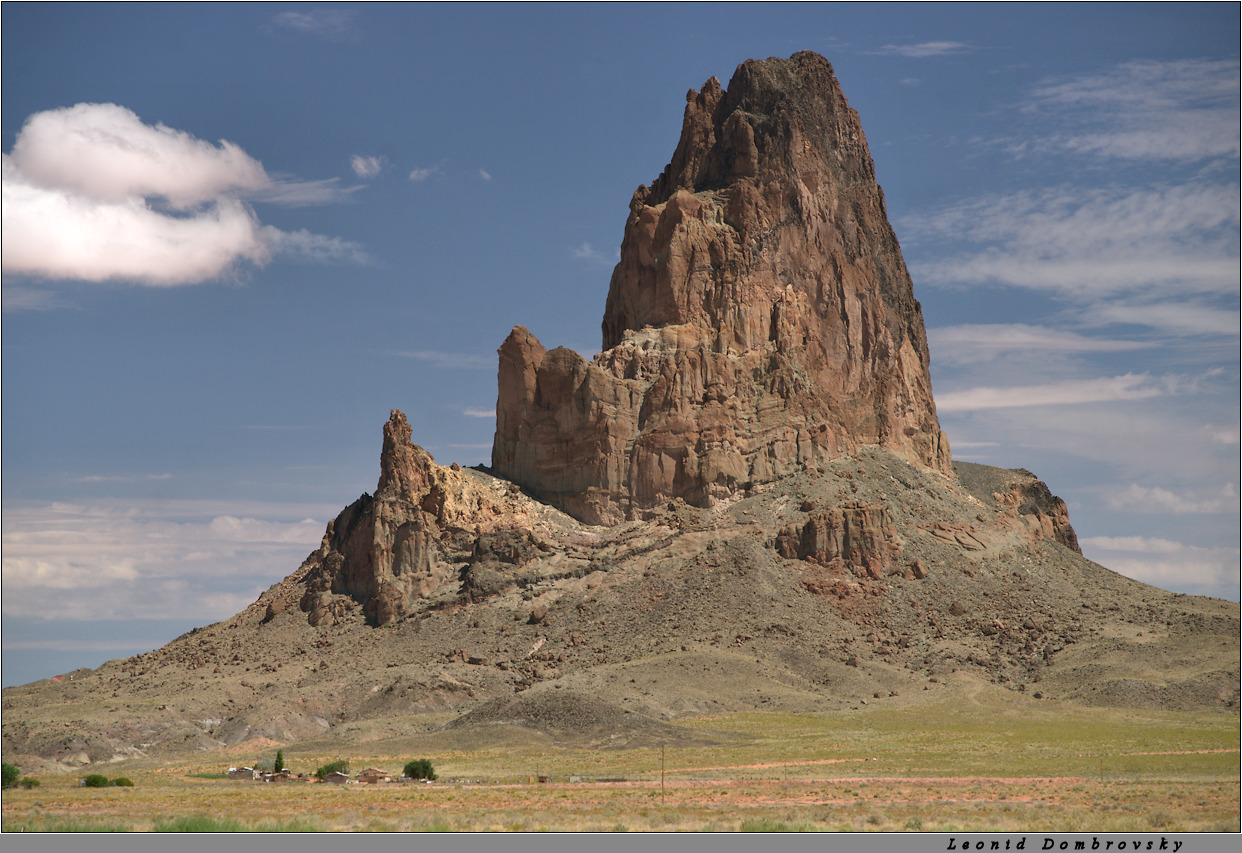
967,764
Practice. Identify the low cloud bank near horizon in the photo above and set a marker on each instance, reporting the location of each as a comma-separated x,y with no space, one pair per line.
92,193
112,560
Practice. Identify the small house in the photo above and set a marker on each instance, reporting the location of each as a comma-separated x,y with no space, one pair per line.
337,777
372,776
248,774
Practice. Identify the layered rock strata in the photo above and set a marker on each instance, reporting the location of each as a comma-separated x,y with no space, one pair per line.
760,321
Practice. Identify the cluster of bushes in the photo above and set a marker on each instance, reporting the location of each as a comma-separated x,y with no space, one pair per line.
98,780
420,768
341,765
13,778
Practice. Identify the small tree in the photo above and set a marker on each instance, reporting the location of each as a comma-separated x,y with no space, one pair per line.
420,768
96,780
10,775
123,782
280,761
341,765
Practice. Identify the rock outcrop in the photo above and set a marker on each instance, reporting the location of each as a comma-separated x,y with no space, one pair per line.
860,535
1047,516
761,320
385,553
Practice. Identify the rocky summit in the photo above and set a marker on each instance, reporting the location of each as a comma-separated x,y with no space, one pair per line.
744,502
760,322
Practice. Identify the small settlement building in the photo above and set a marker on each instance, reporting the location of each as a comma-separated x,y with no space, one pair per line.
371,776
248,774
336,777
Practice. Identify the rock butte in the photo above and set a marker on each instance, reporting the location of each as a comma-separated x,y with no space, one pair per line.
760,323
795,536
761,319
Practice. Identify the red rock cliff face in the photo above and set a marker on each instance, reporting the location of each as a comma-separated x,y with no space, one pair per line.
760,320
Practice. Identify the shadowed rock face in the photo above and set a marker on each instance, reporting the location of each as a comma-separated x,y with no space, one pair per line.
760,322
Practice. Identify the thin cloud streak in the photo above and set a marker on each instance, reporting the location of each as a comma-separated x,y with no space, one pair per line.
982,342
1063,393
451,360
1087,244
1154,499
923,50
330,24
1182,110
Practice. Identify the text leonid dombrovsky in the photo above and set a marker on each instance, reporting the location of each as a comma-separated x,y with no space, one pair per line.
1047,843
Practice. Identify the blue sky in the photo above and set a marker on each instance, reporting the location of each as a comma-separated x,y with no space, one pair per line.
237,235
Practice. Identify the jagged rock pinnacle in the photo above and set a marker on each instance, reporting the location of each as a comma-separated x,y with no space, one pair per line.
760,321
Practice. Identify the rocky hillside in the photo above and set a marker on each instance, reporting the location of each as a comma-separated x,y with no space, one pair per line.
744,502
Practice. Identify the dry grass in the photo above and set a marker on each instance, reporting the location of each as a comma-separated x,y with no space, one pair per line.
969,765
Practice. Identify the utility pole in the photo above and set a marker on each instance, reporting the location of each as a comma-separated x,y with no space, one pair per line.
661,774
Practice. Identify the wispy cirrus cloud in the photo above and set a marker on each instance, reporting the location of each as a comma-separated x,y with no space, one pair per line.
330,24
1155,499
1086,244
302,245
121,478
92,193
1183,110
452,360
923,50
585,251
293,193
1063,393
479,413
365,166
982,342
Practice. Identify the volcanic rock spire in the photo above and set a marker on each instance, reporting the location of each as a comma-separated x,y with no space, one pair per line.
760,321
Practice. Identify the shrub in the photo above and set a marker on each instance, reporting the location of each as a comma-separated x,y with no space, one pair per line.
419,768
123,782
10,775
28,782
341,764
95,780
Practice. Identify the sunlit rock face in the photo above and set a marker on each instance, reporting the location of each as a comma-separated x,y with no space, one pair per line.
761,320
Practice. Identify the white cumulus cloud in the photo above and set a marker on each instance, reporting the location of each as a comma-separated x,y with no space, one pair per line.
92,193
